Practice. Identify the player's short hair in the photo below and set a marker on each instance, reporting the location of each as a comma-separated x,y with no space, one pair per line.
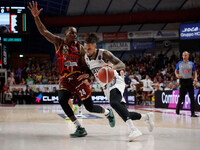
69,28
92,38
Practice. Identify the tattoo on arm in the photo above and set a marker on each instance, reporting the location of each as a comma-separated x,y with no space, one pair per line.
109,57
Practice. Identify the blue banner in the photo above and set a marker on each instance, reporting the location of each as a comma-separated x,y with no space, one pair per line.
101,45
190,31
142,45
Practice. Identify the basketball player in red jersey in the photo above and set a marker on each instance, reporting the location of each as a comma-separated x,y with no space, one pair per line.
70,60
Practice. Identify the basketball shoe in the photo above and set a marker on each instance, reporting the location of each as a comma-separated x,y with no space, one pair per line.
134,133
111,118
80,132
150,122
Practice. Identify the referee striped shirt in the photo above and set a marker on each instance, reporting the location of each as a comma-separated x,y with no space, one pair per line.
185,69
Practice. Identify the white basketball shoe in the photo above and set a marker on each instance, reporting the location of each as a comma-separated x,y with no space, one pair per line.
150,122
134,133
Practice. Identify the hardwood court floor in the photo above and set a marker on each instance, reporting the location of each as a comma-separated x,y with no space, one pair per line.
39,127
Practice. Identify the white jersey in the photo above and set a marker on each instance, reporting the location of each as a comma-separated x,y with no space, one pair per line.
95,65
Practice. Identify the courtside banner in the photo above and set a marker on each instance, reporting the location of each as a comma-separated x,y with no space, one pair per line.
169,99
97,97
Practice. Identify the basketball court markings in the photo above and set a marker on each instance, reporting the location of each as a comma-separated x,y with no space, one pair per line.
83,116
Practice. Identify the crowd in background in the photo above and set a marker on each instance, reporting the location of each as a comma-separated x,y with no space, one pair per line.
150,73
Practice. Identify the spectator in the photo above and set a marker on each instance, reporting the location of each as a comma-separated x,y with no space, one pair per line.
147,88
38,76
5,87
44,80
37,90
127,81
138,76
29,80
46,89
174,87
54,89
11,80
8,97
29,94
133,83
22,82
169,87
19,73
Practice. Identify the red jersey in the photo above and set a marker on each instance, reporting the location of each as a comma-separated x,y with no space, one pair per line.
70,65
68,56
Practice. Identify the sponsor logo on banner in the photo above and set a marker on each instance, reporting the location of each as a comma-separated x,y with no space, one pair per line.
140,35
50,98
38,98
4,56
115,36
83,36
166,34
169,99
190,31
142,45
118,46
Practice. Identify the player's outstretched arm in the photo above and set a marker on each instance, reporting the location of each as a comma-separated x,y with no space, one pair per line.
42,29
109,57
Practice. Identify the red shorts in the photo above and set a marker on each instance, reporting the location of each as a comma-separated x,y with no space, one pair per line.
71,84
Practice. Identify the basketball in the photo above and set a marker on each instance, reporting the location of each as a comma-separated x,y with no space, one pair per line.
106,74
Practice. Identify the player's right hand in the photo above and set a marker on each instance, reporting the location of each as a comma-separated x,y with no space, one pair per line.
178,76
33,8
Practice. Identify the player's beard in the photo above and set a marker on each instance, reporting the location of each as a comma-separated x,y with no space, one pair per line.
92,56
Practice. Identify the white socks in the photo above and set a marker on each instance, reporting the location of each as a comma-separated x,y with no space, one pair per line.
77,123
144,117
106,112
130,125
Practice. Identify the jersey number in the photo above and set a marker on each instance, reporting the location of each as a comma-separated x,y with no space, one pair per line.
82,92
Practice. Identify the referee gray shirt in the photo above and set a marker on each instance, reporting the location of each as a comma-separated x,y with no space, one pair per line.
185,69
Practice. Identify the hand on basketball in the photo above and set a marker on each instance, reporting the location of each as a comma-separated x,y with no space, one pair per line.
83,76
106,65
33,8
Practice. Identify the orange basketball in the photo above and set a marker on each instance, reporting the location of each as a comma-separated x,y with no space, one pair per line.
106,74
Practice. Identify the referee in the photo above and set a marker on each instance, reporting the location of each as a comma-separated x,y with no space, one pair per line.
184,70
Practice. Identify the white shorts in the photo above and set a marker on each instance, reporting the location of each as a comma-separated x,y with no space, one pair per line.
119,84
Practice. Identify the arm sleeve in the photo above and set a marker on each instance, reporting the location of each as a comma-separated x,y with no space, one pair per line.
193,68
177,66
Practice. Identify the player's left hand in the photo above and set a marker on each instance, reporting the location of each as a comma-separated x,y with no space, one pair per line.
106,65
83,76
195,80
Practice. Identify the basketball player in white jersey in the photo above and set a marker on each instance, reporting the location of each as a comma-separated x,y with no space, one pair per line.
96,59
